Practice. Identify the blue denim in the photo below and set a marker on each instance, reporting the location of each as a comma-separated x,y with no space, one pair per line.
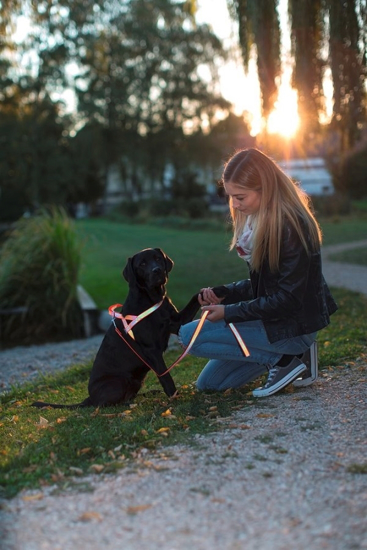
228,367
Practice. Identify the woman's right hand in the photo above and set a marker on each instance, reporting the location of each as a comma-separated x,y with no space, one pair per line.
207,296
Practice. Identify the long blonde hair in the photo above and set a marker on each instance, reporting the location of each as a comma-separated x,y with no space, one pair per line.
281,199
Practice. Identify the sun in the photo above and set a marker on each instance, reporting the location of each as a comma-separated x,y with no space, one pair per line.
284,119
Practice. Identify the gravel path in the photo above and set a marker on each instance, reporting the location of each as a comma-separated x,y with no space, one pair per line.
282,474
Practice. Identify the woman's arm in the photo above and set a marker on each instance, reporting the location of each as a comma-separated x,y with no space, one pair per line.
281,294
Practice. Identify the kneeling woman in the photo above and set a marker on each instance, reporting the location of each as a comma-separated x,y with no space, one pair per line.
280,309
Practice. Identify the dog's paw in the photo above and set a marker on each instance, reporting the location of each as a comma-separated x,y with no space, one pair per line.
221,291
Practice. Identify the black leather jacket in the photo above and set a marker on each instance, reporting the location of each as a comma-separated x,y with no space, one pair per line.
292,301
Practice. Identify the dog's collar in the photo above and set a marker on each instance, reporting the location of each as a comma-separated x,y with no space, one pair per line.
133,318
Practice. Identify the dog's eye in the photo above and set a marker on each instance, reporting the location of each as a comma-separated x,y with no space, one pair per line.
143,264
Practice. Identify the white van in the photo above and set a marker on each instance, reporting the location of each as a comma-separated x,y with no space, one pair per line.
311,174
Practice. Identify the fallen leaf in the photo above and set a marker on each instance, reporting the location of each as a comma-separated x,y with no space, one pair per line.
136,509
163,430
37,496
144,432
70,388
89,516
264,415
43,423
166,413
98,468
84,451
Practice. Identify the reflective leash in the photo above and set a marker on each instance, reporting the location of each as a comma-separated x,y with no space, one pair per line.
136,318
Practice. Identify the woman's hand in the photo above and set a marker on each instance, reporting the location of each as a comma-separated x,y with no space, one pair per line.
216,312
207,296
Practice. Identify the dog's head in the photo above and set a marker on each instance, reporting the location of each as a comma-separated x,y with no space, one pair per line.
148,268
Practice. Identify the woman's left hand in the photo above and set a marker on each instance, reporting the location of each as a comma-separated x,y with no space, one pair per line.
216,312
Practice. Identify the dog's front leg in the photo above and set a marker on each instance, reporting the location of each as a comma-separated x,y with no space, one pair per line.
166,380
185,315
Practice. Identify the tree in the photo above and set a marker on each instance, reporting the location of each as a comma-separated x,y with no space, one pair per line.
138,83
314,24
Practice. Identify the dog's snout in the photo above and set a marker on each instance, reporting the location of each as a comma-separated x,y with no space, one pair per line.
157,269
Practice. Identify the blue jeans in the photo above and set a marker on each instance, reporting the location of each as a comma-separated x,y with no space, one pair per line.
228,367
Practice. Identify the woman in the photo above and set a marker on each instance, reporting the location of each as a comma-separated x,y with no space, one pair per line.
280,309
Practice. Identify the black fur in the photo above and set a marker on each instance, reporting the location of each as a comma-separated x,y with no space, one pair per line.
117,373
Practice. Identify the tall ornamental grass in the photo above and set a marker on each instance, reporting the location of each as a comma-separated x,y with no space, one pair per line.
39,266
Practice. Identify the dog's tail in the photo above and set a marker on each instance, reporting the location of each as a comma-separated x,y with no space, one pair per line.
40,405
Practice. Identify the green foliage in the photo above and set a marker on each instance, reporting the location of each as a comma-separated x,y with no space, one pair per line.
39,266
337,204
353,173
35,165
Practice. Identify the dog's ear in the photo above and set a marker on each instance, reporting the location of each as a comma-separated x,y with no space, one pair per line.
128,271
167,259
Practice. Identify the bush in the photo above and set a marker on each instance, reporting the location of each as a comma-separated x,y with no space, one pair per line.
337,204
39,265
353,173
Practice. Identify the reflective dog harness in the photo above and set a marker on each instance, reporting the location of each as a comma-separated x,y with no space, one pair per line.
136,318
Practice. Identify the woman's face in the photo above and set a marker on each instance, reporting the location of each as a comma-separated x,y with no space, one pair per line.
246,201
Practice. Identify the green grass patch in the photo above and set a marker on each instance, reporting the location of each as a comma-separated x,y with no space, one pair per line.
356,256
42,447
49,446
201,257
343,230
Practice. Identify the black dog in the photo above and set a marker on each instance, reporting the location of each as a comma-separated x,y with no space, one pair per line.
118,373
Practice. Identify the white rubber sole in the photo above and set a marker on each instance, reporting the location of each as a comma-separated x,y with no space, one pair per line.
265,392
313,368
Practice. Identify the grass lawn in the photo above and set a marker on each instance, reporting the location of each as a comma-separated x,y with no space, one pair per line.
201,257
59,447
344,230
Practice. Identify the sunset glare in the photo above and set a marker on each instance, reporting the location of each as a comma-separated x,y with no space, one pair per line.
284,119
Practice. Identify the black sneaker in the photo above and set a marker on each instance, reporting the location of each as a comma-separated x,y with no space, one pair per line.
280,377
309,358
